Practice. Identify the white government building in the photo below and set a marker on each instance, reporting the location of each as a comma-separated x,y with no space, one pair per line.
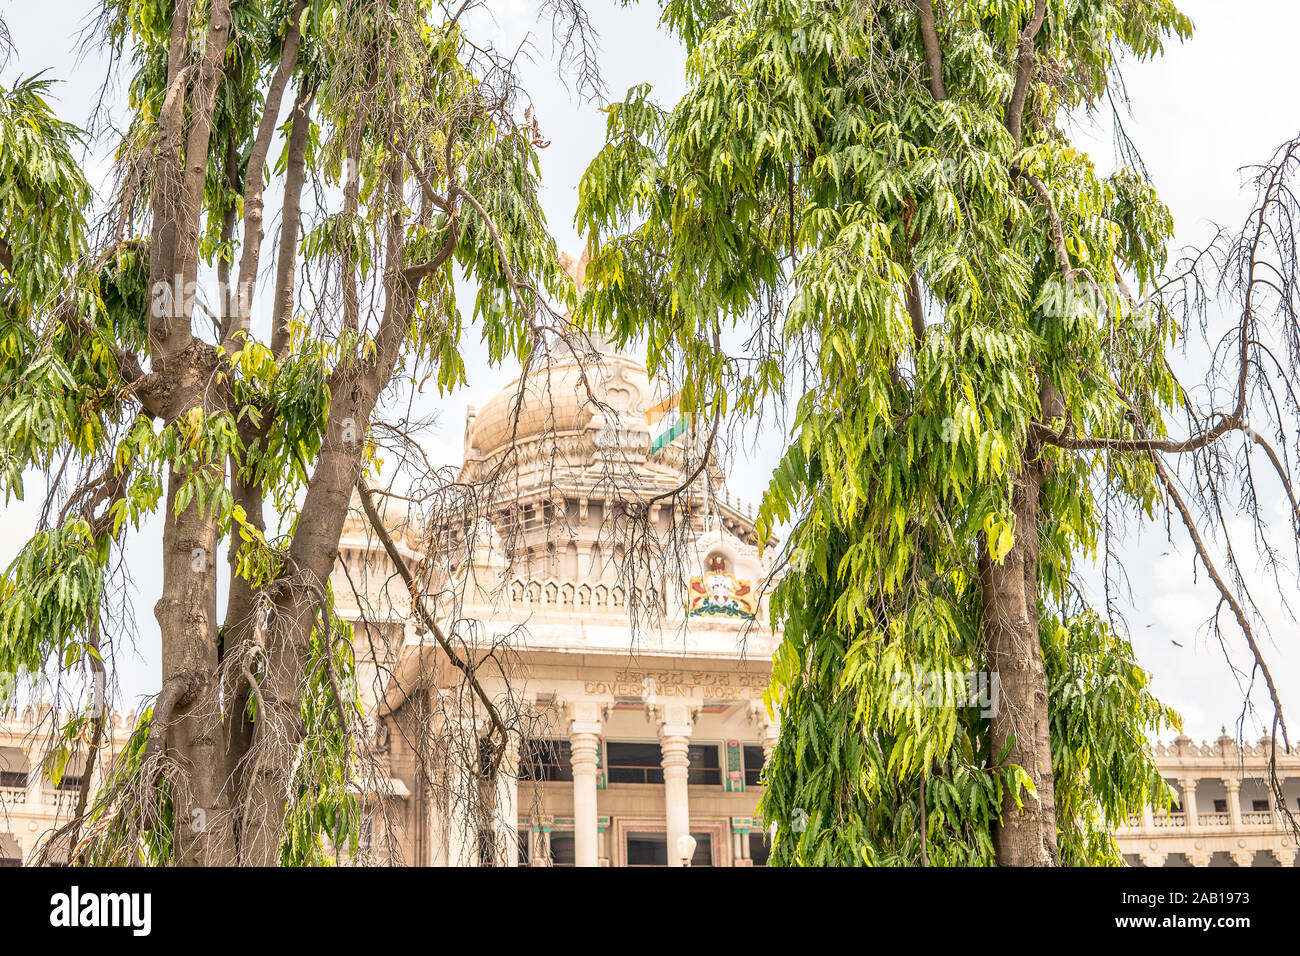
637,736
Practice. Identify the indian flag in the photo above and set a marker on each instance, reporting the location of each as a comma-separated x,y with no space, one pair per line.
666,422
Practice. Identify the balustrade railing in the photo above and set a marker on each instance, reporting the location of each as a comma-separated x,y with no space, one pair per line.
60,799
1209,821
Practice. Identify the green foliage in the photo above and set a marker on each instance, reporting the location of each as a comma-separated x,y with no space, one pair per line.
49,596
791,195
128,828
325,813
43,195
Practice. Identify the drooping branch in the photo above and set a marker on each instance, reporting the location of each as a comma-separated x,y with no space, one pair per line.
1225,592
291,220
933,56
1025,62
414,274
254,178
417,601
185,261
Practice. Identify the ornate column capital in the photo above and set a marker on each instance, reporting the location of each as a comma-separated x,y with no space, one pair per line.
1243,856
675,720
584,716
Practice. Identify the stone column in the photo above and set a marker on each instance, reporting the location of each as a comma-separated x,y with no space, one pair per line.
740,836
460,783
674,744
506,820
1233,786
1189,800
584,741
602,841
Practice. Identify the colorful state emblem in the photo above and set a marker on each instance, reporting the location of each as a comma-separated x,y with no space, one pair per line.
720,594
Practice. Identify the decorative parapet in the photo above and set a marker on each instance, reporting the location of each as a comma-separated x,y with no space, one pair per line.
1184,748
552,593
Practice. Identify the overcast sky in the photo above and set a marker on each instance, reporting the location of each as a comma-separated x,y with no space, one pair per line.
1223,100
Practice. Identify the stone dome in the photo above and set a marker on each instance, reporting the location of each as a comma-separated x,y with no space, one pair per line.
569,397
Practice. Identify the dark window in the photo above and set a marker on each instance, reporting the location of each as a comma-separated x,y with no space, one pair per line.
759,848
651,849
647,849
1220,806
704,769
6,861
1259,806
562,849
545,760
634,763
703,850
69,782
14,779
753,764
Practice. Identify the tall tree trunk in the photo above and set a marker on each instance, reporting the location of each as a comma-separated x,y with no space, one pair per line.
290,220
1021,725
188,711
190,707
1026,835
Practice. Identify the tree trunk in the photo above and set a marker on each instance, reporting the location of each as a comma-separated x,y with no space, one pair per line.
187,618
1026,836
